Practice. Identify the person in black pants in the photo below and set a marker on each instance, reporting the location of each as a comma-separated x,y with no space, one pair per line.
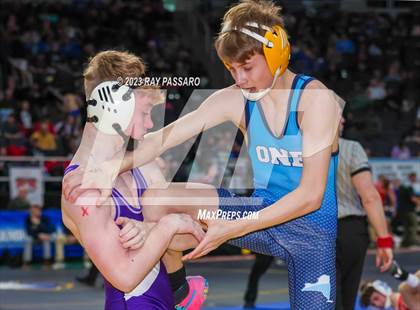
91,276
358,201
261,264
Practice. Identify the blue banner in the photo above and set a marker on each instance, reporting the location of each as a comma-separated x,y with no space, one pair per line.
12,227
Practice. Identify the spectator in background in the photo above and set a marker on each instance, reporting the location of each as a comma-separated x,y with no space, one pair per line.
25,117
63,237
20,202
376,89
387,193
38,230
3,165
43,140
67,131
408,199
14,137
394,72
395,185
358,98
400,151
71,104
413,141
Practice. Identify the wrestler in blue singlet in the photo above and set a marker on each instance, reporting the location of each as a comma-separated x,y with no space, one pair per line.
306,244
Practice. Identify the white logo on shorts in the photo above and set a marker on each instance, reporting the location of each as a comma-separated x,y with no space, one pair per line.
322,285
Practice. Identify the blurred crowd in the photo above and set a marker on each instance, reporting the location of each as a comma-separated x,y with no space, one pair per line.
44,49
368,59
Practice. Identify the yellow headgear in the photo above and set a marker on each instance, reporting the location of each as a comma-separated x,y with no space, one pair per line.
276,46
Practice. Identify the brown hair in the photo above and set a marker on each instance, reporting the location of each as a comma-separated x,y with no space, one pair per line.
110,65
233,45
366,291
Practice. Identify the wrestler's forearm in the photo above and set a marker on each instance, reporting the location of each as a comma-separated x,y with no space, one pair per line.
293,205
147,151
190,125
183,242
142,261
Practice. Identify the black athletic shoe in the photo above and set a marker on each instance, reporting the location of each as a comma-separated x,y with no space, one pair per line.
397,272
86,281
249,305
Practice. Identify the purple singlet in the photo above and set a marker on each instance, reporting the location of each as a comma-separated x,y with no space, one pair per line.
154,292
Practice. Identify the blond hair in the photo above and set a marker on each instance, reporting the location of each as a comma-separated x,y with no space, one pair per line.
112,65
234,46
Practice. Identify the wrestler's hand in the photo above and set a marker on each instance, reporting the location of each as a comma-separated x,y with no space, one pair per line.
218,232
183,224
384,257
101,177
133,233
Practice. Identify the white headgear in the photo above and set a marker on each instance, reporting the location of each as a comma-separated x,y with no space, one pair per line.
110,108
384,289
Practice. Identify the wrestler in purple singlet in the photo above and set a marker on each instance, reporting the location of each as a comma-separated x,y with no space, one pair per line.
154,292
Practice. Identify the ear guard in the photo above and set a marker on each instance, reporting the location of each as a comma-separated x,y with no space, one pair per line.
111,107
276,46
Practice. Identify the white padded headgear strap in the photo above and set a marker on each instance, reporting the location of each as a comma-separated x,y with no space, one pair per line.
227,27
111,107
256,36
384,289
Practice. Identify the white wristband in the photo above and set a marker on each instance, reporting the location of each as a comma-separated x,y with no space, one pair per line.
413,281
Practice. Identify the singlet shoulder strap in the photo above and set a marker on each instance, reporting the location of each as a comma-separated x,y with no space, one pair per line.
292,126
249,108
140,182
70,168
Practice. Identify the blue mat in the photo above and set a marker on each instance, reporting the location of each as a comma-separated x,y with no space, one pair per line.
274,306
282,306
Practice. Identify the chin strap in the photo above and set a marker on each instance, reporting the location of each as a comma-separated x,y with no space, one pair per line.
257,96
117,128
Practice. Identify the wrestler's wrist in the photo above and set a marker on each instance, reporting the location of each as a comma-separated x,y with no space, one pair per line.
166,227
244,227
